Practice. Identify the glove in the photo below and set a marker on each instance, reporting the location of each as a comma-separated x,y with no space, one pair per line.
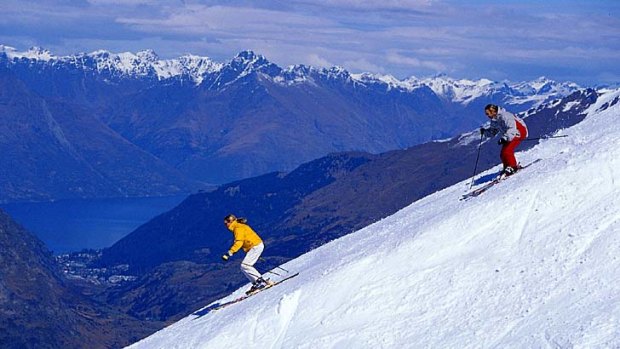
502,141
226,256
482,131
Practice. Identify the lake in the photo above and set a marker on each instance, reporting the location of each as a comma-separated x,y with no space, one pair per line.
73,225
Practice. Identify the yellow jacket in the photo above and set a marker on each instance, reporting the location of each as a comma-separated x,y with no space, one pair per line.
245,237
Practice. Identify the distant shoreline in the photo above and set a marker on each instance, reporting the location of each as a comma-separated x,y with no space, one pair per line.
72,225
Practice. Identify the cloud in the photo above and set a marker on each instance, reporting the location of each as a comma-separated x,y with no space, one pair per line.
397,58
318,61
363,65
373,4
200,18
400,37
120,2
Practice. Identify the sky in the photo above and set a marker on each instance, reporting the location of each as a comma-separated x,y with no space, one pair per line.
567,40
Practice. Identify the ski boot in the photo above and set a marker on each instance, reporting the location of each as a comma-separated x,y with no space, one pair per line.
256,286
259,284
508,171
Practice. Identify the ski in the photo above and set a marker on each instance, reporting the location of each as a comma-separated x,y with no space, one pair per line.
481,190
237,300
487,186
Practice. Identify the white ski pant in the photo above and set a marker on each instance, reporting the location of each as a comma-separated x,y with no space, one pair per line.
247,265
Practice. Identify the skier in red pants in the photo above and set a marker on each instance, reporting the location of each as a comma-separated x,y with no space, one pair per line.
513,130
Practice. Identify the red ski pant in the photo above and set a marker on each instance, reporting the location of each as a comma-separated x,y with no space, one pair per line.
508,150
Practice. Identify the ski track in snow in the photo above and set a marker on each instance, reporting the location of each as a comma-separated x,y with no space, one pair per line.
533,262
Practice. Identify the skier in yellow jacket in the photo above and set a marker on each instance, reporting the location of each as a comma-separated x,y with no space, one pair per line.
253,246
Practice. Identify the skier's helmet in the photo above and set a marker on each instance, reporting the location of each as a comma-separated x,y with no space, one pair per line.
492,107
229,219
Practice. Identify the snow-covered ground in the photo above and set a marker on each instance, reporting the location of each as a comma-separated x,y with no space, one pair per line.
532,263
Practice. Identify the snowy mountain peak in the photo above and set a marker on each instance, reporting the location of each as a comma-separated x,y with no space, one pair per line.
147,64
247,59
248,56
101,54
202,65
531,93
337,73
539,84
531,263
542,86
295,74
39,53
389,80
247,62
7,49
34,53
144,63
463,90
542,79
148,56
298,70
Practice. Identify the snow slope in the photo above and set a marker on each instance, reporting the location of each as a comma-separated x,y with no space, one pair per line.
532,263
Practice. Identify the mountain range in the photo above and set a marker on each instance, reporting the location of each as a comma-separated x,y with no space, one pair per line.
112,125
105,125
178,270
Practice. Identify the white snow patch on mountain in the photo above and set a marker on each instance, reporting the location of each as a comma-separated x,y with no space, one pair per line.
532,263
389,80
33,53
463,90
540,90
570,105
142,63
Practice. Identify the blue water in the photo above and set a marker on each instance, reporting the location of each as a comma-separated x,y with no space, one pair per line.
73,225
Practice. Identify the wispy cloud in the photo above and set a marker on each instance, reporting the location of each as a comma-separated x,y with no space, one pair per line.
371,4
200,19
397,58
362,64
125,2
399,37
318,61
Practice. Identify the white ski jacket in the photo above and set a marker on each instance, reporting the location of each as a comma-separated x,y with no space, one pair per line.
505,123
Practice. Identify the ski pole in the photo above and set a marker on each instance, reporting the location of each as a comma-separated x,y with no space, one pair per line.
538,138
264,260
273,272
476,166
